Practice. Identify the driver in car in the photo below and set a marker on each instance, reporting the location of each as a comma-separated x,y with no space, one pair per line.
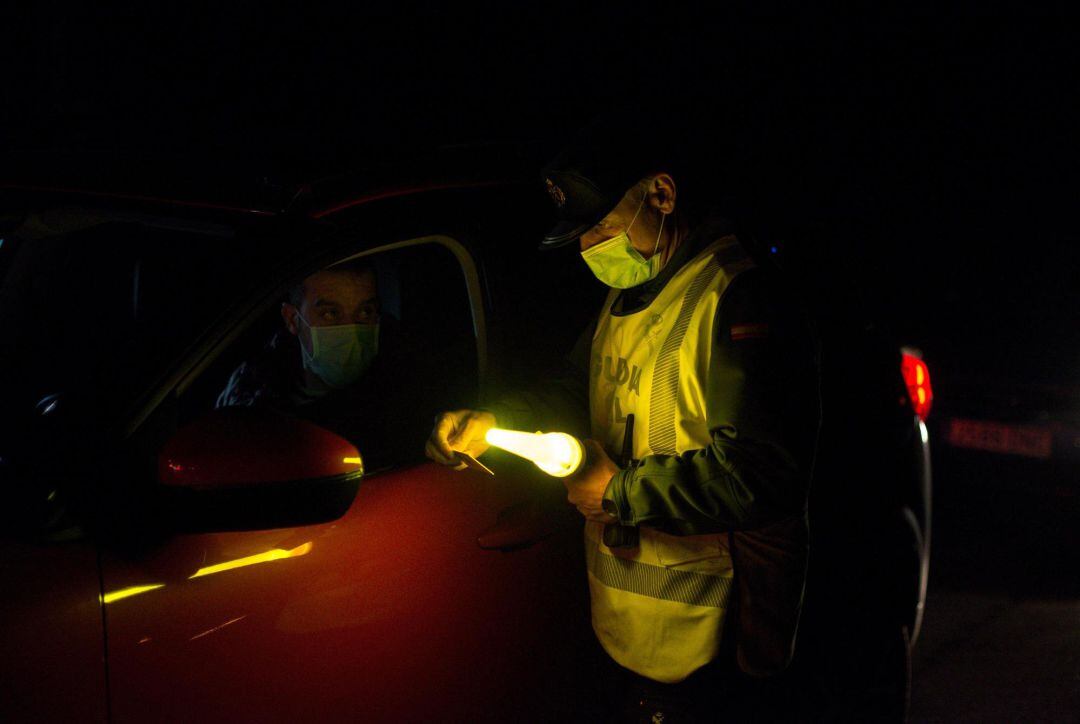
329,342
337,362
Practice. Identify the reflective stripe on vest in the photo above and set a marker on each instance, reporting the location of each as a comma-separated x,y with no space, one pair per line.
668,584
658,609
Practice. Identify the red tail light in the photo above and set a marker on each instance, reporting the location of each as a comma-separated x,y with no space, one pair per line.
917,378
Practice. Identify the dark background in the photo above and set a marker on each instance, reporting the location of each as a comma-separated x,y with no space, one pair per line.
927,156
932,151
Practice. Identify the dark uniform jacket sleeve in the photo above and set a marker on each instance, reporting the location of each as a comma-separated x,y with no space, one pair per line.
561,403
763,414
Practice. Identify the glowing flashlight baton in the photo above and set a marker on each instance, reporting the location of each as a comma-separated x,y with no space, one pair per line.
556,453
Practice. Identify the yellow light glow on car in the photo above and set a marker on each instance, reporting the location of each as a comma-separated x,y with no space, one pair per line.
128,592
556,453
276,554
353,461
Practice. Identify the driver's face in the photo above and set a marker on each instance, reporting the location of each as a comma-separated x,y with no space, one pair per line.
333,298
340,297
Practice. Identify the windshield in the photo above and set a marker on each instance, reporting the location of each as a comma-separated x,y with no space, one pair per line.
104,307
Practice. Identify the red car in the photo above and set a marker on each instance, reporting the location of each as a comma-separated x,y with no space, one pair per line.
167,561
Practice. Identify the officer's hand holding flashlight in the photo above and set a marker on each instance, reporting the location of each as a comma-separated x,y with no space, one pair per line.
459,431
585,488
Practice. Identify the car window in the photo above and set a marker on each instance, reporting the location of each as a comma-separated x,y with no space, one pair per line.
104,308
371,347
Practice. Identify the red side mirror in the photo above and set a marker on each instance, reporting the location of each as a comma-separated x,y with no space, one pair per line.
241,447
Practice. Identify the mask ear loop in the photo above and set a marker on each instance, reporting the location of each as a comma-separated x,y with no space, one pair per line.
660,233
640,206
300,338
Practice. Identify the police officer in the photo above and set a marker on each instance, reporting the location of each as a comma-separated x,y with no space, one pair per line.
703,411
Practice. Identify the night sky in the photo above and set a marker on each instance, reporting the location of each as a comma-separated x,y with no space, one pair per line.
933,150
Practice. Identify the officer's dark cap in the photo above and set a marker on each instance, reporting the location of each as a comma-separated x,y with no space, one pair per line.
594,171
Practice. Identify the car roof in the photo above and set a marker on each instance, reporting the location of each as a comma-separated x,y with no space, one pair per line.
246,188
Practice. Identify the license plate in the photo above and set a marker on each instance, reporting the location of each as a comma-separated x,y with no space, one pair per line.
1027,440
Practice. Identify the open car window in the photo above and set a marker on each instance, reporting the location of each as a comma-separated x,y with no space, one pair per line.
425,360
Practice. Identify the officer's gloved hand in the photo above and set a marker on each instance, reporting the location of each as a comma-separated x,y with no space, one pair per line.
459,431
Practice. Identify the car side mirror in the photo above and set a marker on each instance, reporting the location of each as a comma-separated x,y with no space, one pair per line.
245,447
241,468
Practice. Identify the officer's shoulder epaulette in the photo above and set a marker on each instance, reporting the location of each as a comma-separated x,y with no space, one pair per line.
730,252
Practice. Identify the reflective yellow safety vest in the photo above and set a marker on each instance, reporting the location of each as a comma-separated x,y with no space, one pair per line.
658,609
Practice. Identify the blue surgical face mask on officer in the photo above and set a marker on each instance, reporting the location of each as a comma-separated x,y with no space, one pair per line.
340,354
618,264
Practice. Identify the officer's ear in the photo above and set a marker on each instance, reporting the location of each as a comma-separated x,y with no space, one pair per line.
662,193
289,314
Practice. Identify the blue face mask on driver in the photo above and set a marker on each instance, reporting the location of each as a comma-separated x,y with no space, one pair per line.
340,354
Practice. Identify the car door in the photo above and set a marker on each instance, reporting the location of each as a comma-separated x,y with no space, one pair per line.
53,665
390,612
52,644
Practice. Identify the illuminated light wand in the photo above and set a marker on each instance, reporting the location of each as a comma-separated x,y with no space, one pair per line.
556,453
